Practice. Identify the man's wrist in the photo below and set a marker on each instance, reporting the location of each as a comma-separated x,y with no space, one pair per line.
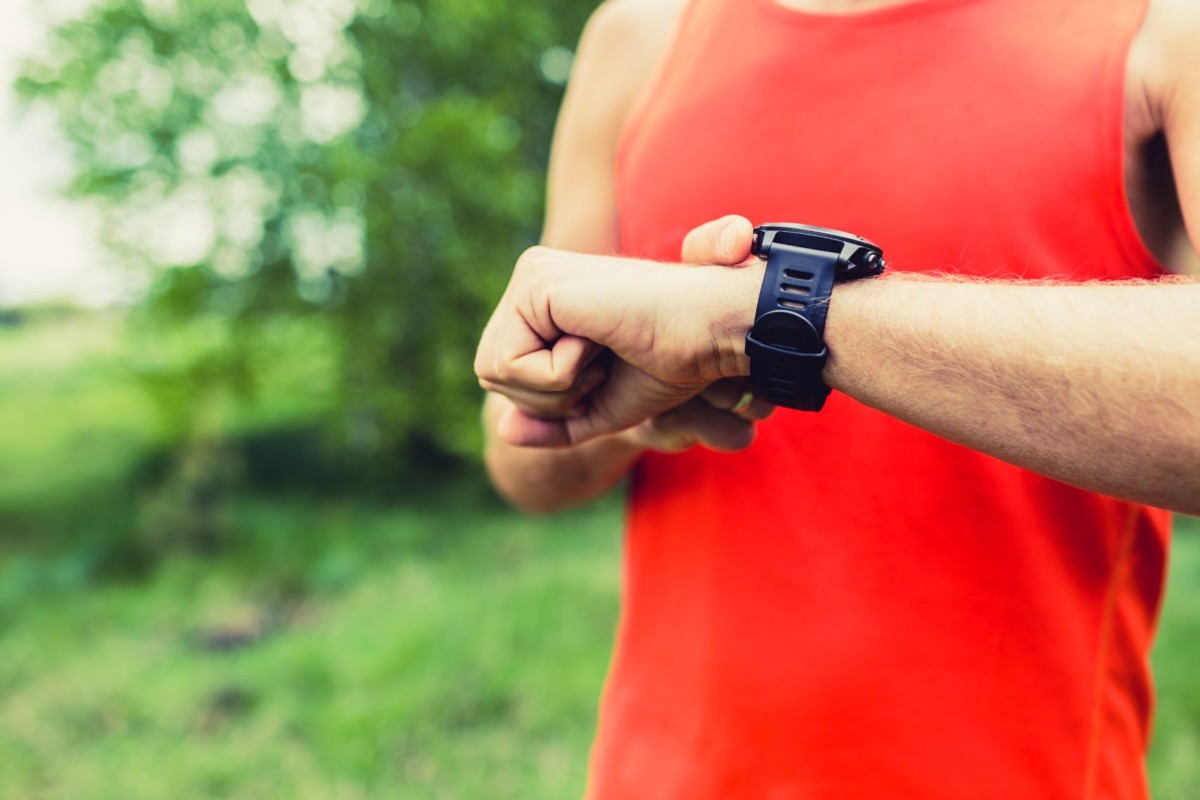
718,303
856,312
734,293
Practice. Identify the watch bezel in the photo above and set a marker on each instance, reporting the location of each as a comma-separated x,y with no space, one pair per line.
858,257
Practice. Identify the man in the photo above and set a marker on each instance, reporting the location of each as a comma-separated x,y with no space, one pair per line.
856,606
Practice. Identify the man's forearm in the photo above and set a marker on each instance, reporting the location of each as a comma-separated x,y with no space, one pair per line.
540,480
1094,384
1097,385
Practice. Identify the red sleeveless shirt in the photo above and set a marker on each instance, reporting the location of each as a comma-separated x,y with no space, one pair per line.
852,607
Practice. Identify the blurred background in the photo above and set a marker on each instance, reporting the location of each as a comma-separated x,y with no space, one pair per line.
246,548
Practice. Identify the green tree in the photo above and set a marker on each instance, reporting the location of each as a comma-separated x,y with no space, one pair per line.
362,167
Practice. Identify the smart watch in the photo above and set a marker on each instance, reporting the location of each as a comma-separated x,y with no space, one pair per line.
786,346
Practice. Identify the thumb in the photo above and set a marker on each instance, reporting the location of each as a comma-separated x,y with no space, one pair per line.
723,241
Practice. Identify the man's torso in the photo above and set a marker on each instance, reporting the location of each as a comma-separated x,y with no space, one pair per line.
775,648
1150,188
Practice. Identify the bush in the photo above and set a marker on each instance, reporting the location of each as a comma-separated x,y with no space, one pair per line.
364,172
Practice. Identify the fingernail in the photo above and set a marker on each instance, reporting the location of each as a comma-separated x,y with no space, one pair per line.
728,235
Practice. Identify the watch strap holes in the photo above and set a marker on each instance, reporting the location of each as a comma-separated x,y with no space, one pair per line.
797,275
792,288
797,304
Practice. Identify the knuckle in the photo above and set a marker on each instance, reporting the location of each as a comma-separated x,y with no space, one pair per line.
560,382
532,259
481,368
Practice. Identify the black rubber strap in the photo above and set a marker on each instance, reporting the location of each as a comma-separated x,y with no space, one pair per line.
787,344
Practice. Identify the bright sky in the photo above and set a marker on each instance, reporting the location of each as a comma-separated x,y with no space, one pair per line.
47,245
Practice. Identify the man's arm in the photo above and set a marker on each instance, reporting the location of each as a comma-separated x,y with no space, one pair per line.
618,51
581,216
1176,98
1096,385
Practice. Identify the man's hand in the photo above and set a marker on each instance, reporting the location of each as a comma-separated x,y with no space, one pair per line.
719,417
673,330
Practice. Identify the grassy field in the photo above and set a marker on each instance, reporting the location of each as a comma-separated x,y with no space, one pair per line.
439,648
429,653
1174,759
433,653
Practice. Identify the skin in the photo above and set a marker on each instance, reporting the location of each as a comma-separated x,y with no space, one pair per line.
1133,433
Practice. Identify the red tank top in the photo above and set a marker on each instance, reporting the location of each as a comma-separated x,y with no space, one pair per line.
852,607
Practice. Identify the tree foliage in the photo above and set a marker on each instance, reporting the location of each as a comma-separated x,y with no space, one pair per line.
368,167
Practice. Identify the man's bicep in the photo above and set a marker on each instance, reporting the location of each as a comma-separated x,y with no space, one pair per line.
581,205
1183,138
618,52
1181,113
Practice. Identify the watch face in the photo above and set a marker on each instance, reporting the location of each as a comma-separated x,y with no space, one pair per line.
813,229
857,257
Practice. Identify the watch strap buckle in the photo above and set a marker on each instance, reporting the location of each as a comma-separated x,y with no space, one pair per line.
786,375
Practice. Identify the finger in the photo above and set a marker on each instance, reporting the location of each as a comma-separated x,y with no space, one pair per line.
720,430
723,241
727,394
670,431
629,397
545,369
758,410
553,405
696,422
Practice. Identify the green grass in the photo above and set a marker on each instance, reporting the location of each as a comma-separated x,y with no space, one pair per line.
70,417
440,652
1174,760
454,655
442,648
446,648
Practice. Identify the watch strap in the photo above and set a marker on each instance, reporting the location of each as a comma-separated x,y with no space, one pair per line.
786,346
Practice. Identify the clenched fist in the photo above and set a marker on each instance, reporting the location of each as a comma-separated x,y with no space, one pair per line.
672,330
